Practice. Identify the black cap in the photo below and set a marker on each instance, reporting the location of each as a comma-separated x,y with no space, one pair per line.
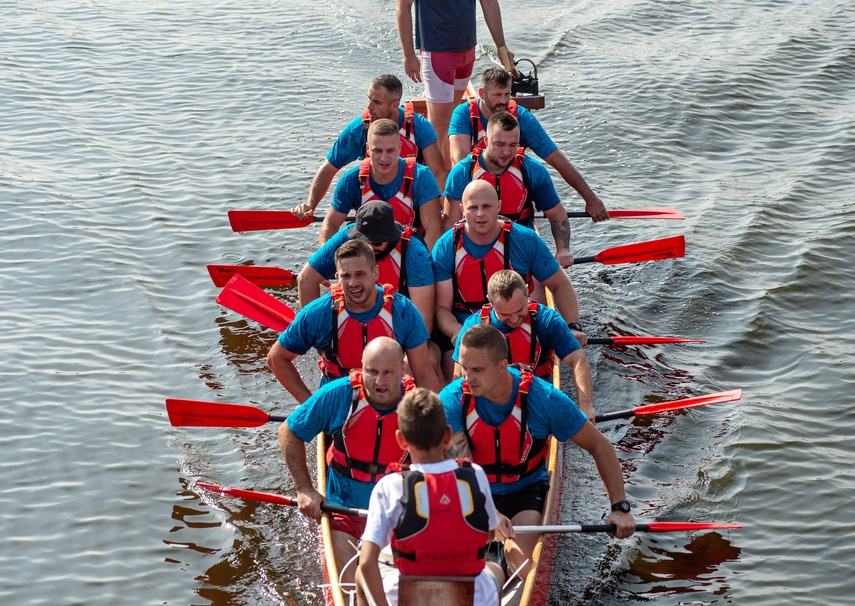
375,223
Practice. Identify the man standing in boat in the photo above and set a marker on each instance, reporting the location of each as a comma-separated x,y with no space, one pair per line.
409,187
468,131
522,184
534,333
402,258
359,412
466,256
418,139
496,404
340,325
435,528
445,35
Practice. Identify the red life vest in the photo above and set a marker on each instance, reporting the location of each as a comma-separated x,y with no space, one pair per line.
365,445
470,276
523,345
349,337
507,452
512,187
409,149
478,130
393,265
402,201
444,527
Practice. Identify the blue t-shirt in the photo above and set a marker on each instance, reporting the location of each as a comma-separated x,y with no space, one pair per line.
542,189
313,327
348,193
326,411
532,134
528,255
446,26
350,144
552,332
419,270
550,412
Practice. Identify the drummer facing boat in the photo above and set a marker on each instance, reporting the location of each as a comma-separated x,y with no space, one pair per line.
493,397
435,528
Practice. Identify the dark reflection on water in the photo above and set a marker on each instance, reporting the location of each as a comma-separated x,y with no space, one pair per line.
662,568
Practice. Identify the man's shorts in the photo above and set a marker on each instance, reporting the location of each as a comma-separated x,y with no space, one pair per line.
443,342
443,73
352,525
530,498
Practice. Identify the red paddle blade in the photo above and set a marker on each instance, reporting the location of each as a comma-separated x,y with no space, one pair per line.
251,495
647,213
197,413
686,526
654,250
651,340
258,220
260,275
713,398
244,297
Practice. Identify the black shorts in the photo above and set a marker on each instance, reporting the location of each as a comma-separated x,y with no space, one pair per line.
444,342
530,498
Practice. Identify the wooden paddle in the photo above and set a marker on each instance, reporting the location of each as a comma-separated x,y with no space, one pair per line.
199,413
259,220
281,499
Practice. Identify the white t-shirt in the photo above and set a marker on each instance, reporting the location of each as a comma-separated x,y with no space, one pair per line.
385,510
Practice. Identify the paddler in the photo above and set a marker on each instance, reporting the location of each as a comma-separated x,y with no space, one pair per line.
522,184
359,412
468,131
418,140
466,256
340,324
493,399
435,528
534,333
402,258
409,187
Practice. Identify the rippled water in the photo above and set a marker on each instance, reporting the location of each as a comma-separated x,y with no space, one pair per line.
128,130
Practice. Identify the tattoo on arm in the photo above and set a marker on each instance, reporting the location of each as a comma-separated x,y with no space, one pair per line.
561,232
459,447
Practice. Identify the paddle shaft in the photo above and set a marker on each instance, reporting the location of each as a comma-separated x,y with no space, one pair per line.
650,527
278,499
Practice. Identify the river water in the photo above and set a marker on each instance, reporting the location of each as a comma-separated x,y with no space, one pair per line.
128,130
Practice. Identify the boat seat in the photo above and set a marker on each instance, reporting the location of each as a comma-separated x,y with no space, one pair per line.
435,591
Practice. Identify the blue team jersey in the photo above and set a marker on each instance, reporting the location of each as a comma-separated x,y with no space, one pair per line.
542,189
326,411
528,255
348,193
446,26
419,270
350,144
313,326
532,135
552,332
550,412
